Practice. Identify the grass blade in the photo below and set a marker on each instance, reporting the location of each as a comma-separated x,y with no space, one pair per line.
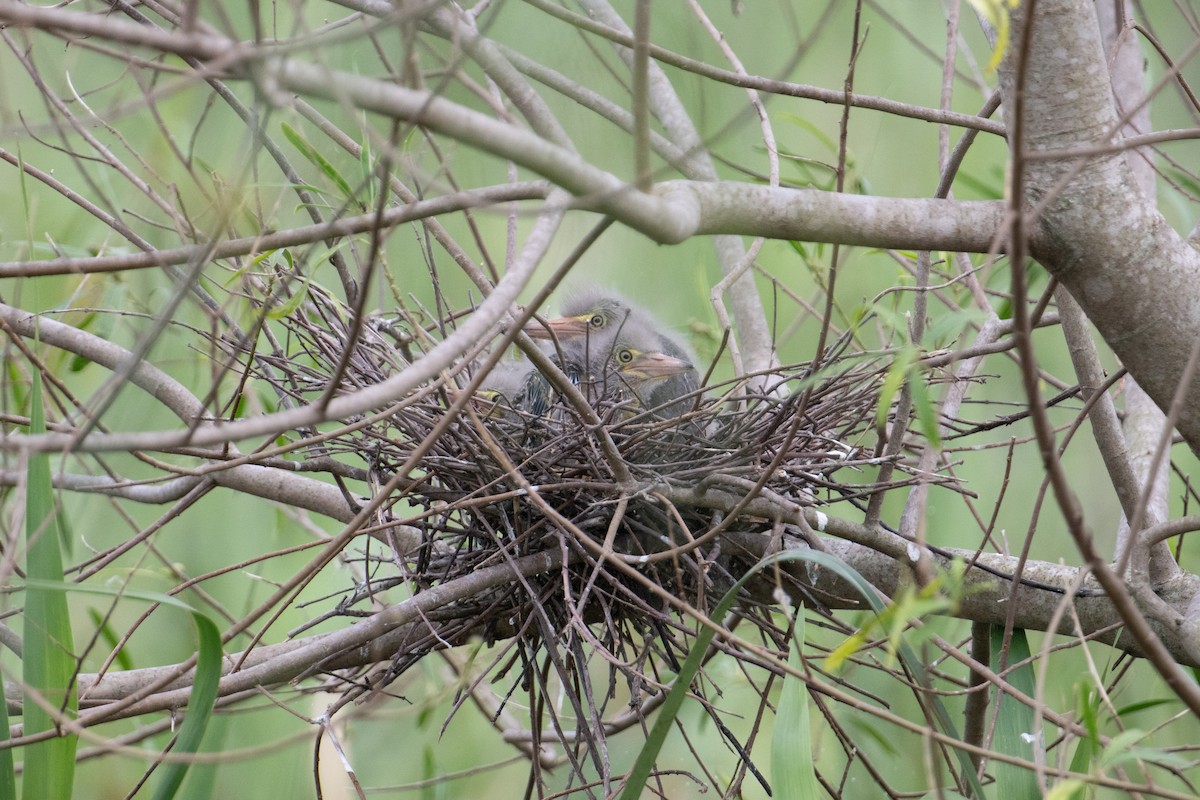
792,771
200,705
1014,720
8,780
49,660
204,684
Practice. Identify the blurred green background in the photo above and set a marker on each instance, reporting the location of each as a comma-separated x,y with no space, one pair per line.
230,187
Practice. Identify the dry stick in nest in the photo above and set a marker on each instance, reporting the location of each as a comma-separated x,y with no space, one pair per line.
562,462
577,622
453,469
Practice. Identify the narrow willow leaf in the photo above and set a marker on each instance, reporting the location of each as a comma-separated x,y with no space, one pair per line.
25,204
1122,751
896,375
314,156
1087,703
940,596
1142,705
110,638
792,752
200,704
289,307
49,660
204,685
1014,720
927,414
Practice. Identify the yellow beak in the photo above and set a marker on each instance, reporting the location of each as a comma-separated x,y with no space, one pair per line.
656,365
558,328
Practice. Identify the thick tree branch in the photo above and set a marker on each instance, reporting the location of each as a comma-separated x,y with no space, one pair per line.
986,598
1093,219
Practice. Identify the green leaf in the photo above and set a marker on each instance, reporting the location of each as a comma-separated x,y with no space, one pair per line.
644,763
286,309
866,724
1185,180
1121,751
49,660
1086,705
940,596
792,770
927,415
8,781
897,373
110,638
1072,789
366,163
1143,705
988,189
1120,743
16,383
318,160
1014,720
200,704
800,249
25,203
202,777
204,684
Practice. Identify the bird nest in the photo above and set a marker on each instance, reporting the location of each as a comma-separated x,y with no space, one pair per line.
474,483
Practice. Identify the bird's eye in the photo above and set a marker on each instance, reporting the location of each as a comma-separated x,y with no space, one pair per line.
597,321
624,355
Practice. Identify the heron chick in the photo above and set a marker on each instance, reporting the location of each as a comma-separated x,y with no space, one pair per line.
593,312
622,364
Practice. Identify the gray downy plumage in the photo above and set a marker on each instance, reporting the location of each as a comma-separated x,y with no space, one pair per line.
620,364
592,311
526,389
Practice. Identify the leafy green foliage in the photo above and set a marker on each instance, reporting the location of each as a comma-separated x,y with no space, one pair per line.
941,595
1124,750
1014,720
316,159
792,750
1086,707
200,706
49,657
204,685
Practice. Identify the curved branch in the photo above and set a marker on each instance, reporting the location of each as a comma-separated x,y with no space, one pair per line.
260,481
676,210
985,599
473,329
305,234
1095,221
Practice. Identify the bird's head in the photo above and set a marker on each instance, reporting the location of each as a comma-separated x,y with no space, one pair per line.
641,366
589,312
632,352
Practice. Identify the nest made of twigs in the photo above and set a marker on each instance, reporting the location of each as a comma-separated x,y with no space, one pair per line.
491,483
